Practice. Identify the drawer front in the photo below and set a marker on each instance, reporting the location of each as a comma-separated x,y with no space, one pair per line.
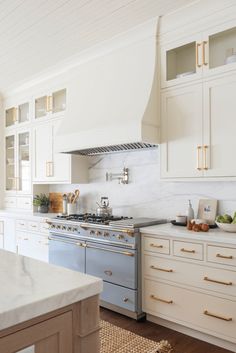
157,245
120,296
221,255
214,315
44,227
218,280
33,226
10,202
21,224
188,250
24,203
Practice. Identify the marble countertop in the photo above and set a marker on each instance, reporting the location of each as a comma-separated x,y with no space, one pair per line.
214,235
26,215
30,288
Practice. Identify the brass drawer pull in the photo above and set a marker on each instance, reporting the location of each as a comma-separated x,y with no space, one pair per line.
219,282
204,53
125,300
160,269
206,312
230,257
161,300
205,147
197,54
198,157
156,246
188,251
108,272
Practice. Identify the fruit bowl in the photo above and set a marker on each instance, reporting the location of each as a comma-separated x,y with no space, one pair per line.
227,227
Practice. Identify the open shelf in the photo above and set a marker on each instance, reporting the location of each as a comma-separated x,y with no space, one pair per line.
221,46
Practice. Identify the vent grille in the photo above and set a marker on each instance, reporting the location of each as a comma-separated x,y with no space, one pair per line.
114,148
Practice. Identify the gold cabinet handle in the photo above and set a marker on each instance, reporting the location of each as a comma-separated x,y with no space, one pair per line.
216,281
197,54
188,251
125,300
50,103
47,172
161,300
156,246
230,257
204,43
15,119
51,168
47,104
205,147
206,312
199,148
160,269
108,272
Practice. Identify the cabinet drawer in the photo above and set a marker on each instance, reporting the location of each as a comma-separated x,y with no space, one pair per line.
24,203
190,274
188,250
212,314
220,255
33,226
21,224
120,296
10,202
157,245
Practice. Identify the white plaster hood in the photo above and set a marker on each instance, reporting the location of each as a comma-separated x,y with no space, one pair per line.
113,99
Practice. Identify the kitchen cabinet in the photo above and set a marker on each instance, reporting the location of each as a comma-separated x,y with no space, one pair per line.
50,166
17,115
199,56
18,162
7,234
51,104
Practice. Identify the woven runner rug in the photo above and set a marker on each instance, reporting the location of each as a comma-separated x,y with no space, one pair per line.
117,340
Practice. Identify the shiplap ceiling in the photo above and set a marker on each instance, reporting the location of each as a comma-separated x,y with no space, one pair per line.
37,34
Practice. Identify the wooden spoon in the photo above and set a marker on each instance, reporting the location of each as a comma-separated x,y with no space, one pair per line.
76,195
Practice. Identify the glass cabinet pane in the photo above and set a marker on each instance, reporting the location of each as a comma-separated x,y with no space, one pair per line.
10,163
23,162
23,113
41,107
11,117
181,61
222,48
59,101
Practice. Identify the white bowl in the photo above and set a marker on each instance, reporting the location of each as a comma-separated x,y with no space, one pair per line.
185,74
227,227
230,59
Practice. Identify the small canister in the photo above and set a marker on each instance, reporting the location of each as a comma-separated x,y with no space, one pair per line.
64,204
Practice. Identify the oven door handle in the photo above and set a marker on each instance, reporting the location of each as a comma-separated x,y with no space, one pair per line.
67,242
126,253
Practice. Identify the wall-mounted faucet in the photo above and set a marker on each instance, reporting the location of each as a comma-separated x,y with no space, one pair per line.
123,177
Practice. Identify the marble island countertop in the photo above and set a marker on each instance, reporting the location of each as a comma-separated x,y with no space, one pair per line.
213,235
30,288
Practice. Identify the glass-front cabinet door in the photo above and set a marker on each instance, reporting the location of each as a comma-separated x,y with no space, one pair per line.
52,104
23,168
17,115
10,147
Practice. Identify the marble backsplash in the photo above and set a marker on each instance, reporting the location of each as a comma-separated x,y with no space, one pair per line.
145,195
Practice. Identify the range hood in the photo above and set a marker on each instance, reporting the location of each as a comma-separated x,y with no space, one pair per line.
113,99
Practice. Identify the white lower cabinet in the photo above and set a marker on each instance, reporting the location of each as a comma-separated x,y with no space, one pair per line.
7,234
193,285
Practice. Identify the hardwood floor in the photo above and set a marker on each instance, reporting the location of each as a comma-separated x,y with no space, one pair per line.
180,342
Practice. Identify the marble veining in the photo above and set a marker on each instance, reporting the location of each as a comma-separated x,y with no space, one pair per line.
146,194
30,288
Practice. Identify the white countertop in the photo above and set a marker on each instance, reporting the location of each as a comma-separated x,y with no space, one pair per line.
26,215
213,235
30,288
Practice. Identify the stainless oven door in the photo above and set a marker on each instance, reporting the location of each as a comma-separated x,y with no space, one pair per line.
66,252
112,264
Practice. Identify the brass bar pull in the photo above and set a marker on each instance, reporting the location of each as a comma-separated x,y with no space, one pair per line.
15,115
160,269
161,300
197,54
47,170
230,257
108,272
126,253
156,246
198,157
206,312
50,168
204,53
216,281
49,103
189,251
205,147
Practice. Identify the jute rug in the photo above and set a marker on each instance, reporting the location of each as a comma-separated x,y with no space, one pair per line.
117,340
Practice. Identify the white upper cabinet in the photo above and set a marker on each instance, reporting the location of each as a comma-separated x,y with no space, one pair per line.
52,104
50,166
181,132
17,115
199,56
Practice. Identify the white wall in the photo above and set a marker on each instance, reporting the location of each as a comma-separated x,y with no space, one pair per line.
146,195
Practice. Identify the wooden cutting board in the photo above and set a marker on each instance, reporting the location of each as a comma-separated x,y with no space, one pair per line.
56,199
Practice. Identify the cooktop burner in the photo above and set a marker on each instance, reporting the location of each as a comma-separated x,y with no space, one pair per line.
91,218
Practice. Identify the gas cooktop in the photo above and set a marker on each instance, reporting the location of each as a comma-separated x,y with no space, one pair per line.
92,218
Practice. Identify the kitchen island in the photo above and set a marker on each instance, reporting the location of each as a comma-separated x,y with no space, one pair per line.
48,307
